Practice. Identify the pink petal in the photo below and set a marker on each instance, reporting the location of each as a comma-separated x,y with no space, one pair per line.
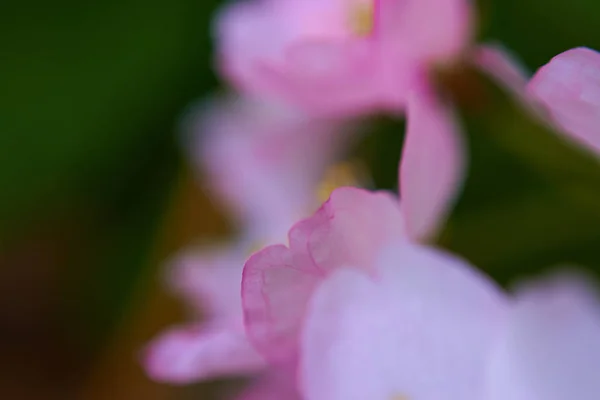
551,348
432,168
294,51
275,384
569,86
352,226
348,230
191,353
346,70
340,306
414,29
422,330
274,292
210,280
263,161
503,66
244,30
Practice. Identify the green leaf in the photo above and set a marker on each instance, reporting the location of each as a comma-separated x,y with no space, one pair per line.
532,198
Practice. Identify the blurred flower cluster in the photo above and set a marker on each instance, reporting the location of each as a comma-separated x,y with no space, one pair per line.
331,290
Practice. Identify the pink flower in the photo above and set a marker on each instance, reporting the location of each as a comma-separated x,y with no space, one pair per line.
427,325
550,348
210,283
264,161
364,312
565,92
268,173
569,88
352,226
277,383
503,66
432,167
278,281
343,57
338,56
421,327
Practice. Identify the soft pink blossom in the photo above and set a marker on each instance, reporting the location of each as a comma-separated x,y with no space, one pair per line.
352,225
569,88
503,66
279,280
564,93
265,163
421,327
347,231
216,345
432,167
338,56
343,57
427,325
277,383
550,348
263,160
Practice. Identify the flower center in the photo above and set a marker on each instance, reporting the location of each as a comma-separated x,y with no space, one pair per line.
255,247
362,17
338,175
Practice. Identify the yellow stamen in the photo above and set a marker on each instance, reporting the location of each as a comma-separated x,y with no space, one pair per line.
338,175
362,14
255,247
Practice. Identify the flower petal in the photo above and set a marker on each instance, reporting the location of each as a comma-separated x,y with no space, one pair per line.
503,66
432,167
348,230
413,28
352,226
192,353
294,51
276,384
264,160
421,330
210,279
345,70
569,86
551,348
274,293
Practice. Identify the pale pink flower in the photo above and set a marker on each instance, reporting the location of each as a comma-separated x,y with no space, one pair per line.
347,57
421,327
508,72
210,282
338,56
279,280
348,230
265,163
365,313
503,66
564,93
427,325
432,167
550,348
569,88
277,383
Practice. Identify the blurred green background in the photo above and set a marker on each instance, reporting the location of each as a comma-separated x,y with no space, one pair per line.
96,193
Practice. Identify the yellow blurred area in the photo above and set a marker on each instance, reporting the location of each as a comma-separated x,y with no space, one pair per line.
117,374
